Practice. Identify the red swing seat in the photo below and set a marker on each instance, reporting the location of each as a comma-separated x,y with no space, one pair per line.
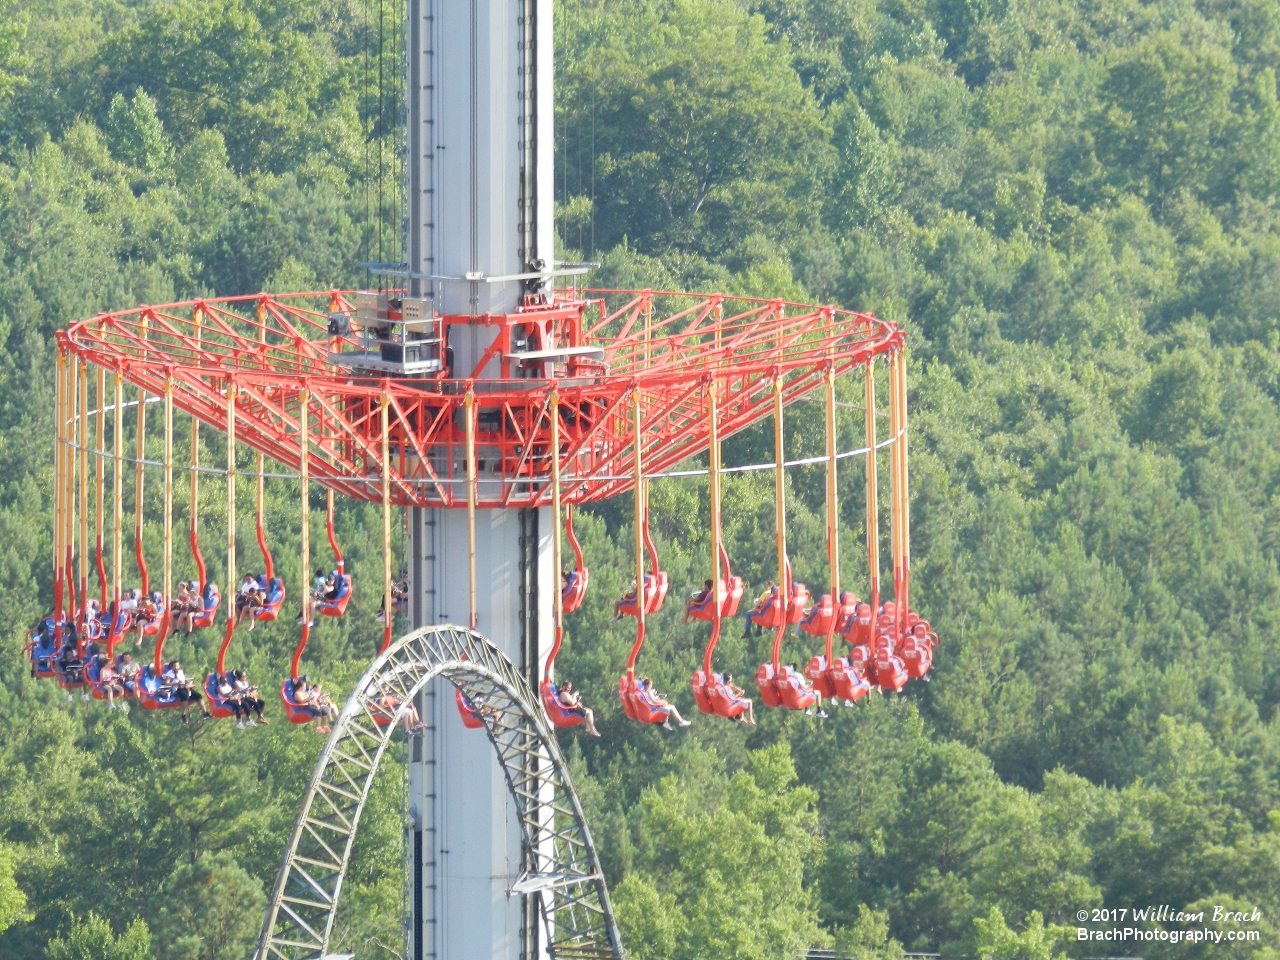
152,626
384,714
891,673
704,609
713,696
637,704
41,650
92,674
295,711
655,590
819,617
63,681
842,679
859,625
275,597
785,688
793,691
204,618
342,596
917,657
772,615
768,616
559,714
574,590
151,694
846,609
471,718
219,706
860,658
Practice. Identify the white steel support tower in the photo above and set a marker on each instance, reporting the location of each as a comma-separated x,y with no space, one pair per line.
479,167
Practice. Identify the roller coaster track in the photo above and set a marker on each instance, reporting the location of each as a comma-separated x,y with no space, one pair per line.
564,873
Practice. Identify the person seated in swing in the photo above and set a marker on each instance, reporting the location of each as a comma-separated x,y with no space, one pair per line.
175,685
333,586
92,621
195,607
69,660
658,700
568,580
386,703
255,600
186,604
226,692
145,615
135,607
129,604
736,693
109,681
697,599
244,597
181,603
247,696
757,611
130,672
571,700
314,700
628,600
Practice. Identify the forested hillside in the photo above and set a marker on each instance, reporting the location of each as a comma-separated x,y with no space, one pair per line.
1073,206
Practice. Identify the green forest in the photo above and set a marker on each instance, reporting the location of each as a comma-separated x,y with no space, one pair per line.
1073,206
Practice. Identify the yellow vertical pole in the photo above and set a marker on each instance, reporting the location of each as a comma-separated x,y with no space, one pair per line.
73,507
640,517
59,456
167,568
713,464
905,499
833,509
84,489
895,481
468,406
648,328
304,473
69,536
195,474
556,560
232,586
100,472
260,463
139,477
873,481
389,610
195,461
117,496
780,497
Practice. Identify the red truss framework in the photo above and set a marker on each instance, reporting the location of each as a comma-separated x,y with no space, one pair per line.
665,348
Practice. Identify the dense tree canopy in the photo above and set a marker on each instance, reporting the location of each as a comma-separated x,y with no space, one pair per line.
1074,208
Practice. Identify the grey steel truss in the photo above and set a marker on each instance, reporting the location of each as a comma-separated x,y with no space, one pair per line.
564,876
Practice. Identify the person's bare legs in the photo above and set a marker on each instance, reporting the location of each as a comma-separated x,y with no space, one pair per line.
674,714
589,721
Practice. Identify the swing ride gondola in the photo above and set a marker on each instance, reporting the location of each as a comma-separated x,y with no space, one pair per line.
612,400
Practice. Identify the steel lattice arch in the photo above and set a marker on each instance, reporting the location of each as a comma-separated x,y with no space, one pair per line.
564,874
